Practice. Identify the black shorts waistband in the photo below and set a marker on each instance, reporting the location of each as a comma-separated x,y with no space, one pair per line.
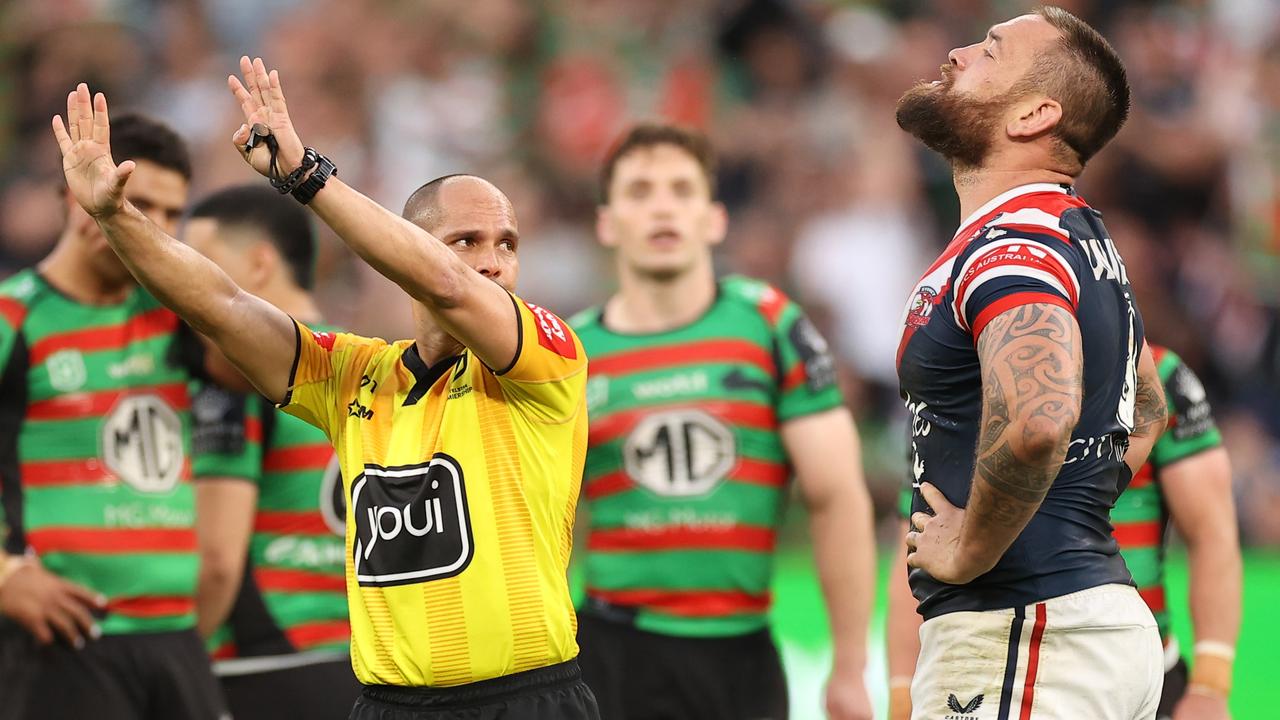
544,678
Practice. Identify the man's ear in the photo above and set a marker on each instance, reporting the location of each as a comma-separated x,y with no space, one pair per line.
604,227
1034,117
718,226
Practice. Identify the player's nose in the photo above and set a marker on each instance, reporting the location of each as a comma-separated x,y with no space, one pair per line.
957,57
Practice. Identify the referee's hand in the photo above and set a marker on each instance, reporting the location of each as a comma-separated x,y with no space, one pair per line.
50,607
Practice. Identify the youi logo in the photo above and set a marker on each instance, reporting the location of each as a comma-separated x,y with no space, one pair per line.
412,523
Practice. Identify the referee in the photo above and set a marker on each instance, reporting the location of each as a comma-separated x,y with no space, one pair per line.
461,450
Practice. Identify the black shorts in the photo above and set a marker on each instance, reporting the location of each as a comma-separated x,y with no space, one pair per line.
555,692
638,675
1175,686
319,691
142,676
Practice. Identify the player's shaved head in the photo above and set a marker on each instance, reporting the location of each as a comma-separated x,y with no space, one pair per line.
426,208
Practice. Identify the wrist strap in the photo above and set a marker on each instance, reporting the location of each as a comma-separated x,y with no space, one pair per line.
307,189
1216,648
288,183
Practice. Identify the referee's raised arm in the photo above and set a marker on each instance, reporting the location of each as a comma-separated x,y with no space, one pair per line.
469,304
256,336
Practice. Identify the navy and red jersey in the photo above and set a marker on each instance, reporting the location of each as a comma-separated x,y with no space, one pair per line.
1034,244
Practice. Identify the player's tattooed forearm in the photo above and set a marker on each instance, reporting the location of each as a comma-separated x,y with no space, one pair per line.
1149,412
1032,375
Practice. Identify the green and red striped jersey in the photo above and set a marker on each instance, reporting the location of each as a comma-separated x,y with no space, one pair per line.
1140,516
293,597
94,469
686,475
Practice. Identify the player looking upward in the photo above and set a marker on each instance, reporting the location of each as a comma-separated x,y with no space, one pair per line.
99,562
706,397
461,449
1031,391
269,513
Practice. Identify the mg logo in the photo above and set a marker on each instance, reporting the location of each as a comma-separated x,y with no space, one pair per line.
680,453
142,444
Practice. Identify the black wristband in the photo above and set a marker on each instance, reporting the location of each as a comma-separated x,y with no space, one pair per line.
287,184
307,189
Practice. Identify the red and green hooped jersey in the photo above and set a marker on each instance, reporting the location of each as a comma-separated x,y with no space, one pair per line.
686,474
94,469
293,597
1140,516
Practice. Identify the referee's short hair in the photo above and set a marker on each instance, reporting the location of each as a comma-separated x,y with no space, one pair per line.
280,218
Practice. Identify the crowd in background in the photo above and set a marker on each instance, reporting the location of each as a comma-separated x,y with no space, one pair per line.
827,198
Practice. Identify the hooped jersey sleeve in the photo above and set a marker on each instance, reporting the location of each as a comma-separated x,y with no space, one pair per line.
806,366
1011,266
226,434
321,367
1191,428
547,376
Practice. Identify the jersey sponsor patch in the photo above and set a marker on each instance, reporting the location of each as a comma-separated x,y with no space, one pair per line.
819,365
680,453
412,523
218,422
1191,414
552,334
324,339
142,444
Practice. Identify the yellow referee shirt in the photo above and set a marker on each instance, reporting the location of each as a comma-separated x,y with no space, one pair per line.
461,484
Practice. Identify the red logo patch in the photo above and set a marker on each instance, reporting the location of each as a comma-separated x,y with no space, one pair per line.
324,340
552,333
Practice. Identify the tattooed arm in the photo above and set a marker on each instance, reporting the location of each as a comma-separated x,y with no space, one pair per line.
1150,412
1032,378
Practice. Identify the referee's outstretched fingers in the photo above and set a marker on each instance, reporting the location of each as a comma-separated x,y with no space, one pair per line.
261,98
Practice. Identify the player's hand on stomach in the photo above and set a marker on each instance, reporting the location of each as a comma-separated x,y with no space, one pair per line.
1197,706
847,698
934,546
49,607
84,139
262,102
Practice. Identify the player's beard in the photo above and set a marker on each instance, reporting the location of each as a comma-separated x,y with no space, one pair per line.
959,128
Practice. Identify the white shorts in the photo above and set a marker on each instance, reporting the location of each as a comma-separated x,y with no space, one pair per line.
1090,655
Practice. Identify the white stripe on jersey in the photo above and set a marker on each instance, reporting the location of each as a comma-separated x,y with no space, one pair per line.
1005,197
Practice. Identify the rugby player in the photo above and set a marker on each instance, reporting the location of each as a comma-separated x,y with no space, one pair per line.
461,450
1033,396
1187,480
99,565
706,397
270,520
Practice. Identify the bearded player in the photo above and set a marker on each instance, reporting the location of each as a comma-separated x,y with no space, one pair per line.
706,396
1032,394
1187,481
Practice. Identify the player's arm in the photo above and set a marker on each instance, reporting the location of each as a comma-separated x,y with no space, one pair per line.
474,310
224,522
823,448
1198,492
260,339
902,634
1150,412
1032,379
226,451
